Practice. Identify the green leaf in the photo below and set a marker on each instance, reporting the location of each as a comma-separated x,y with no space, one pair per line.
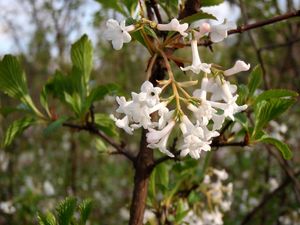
13,82
255,80
12,78
268,110
53,126
47,219
211,2
17,128
44,100
82,56
105,124
282,147
243,93
66,210
115,5
198,16
101,91
85,210
275,93
162,173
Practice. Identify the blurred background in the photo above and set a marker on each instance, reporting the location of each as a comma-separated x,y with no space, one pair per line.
38,170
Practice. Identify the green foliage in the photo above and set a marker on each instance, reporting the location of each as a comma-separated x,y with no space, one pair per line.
211,2
13,81
255,79
275,93
282,147
65,213
55,125
82,57
265,111
198,16
17,128
105,124
126,7
48,219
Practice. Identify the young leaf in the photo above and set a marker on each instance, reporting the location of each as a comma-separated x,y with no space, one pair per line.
12,78
66,210
100,92
198,16
55,125
255,80
268,110
275,93
105,124
82,56
17,128
13,82
47,219
282,147
85,210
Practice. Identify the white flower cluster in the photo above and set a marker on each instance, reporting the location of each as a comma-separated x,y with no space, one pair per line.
216,102
7,207
119,33
219,198
291,218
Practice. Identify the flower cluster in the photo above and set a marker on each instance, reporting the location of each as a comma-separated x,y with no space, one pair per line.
211,104
219,199
119,33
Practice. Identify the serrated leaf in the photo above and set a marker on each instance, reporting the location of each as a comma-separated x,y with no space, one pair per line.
198,16
82,56
53,126
12,78
17,128
268,110
85,210
13,82
101,91
47,219
275,93
105,124
255,80
205,3
282,147
66,210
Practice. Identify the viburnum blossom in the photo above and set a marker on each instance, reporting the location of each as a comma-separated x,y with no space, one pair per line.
219,32
197,65
118,33
174,25
219,196
209,105
239,66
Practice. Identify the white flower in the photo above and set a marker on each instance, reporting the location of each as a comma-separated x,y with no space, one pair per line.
117,33
214,217
195,139
203,28
138,110
239,66
174,25
219,32
7,207
151,94
197,65
159,138
221,174
48,188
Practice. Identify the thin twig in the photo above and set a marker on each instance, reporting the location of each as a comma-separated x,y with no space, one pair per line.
119,147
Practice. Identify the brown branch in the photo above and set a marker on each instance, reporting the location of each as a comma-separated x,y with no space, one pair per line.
275,19
190,7
119,147
266,199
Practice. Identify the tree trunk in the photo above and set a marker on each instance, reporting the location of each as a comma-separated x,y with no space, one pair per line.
143,167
